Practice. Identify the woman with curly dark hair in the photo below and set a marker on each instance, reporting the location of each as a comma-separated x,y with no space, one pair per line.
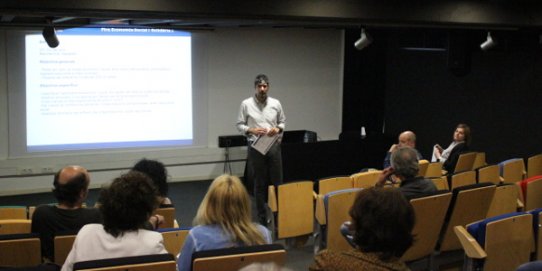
126,206
158,174
382,222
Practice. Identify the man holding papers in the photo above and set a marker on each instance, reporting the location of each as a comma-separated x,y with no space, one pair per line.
262,120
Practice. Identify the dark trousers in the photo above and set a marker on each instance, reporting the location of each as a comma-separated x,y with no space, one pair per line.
264,170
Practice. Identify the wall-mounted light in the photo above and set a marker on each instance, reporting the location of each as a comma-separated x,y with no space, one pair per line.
49,34
363,41
489,43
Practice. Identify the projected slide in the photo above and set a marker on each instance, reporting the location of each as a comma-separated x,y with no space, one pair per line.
109,88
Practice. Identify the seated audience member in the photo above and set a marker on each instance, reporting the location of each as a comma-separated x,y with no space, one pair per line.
459,145
158,174
404,166
70,189
126,206
406,139
223,220
382,222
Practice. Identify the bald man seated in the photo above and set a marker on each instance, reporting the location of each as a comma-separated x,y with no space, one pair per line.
71,190
406,139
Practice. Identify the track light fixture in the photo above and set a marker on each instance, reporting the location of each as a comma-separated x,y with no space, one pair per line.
489,43
49,34
363,41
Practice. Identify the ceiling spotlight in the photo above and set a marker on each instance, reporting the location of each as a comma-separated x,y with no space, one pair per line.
49,34
363,41
489,43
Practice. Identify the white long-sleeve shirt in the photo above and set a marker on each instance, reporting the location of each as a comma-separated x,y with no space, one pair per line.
94,243
253,114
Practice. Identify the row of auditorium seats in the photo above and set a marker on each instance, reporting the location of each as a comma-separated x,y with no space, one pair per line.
23,251
16,212
17,241
470,198
330,210
461,206
23,248
502,242
511,170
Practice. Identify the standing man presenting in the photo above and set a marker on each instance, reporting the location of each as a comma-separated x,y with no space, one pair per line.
261,115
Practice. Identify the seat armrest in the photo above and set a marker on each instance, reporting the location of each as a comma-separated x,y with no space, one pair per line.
520,205
472,249
320,213
272,198
175,224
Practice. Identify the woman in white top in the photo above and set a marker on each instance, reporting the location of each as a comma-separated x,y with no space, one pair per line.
223,220
450,155
126,206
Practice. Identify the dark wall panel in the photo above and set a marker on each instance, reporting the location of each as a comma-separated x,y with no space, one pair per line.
500,97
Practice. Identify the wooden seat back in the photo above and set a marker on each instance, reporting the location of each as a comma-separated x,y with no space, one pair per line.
505,200
533,193
365,179
422,167
508,242
233,259
441,183
469,203
462,179
169,217
174,239
330,184
534,165
63,246
512,170
479,161
537,220
20,250
13,212
434,170
465,162
295,209
338,206
14,226
430,213
489,174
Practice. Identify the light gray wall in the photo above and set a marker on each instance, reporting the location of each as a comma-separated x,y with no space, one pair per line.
305,71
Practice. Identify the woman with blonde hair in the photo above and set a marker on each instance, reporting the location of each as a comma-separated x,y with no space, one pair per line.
223,220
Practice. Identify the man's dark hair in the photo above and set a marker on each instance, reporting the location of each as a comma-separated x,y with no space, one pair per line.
156,171
127,203
382,220
261,79
69,192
